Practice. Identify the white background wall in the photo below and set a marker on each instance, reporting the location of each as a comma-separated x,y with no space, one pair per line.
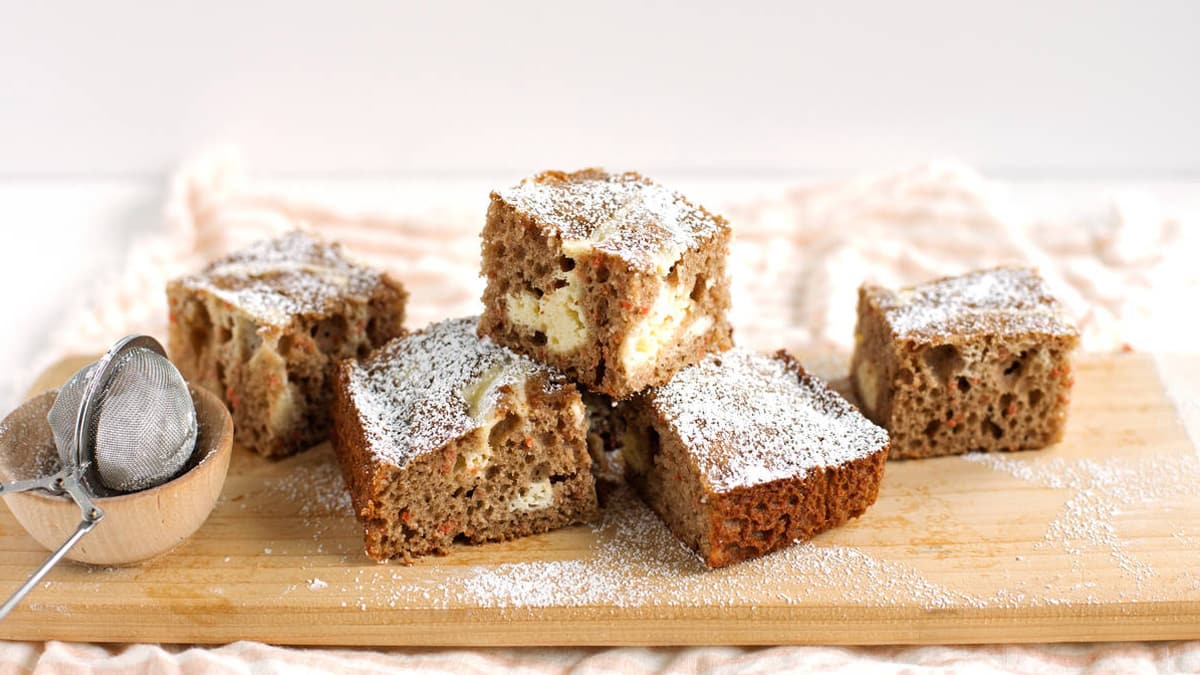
122,87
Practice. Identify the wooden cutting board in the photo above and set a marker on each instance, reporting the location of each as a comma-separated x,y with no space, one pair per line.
1095,539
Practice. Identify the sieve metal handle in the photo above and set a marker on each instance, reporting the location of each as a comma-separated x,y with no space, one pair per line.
85,526
51,483
64,481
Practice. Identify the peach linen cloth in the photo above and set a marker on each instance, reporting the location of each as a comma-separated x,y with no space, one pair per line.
796,263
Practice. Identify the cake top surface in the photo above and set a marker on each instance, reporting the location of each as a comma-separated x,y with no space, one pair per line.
749,419
622,214
417,393
1001,301
275,280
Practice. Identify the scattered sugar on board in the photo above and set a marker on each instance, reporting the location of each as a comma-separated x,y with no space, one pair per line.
315,491
277,279
317,488
387,588
1102,491
782,425
635,562
638,563
1003,301
410,393
44,607
626,215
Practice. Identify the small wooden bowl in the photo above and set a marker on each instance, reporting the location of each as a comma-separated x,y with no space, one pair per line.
136,526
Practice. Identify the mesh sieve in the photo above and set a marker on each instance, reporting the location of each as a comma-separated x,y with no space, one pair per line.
143,425
121,424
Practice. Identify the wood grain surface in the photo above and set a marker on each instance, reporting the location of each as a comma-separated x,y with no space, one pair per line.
1095,539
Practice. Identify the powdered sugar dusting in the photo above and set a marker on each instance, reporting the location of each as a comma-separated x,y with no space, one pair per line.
28,443
1102,490
409,393
317,490
633,562
624,214
636,562
1001,301
749,419
277,279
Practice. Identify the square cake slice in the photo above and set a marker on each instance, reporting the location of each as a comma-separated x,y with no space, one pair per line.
443,435
744,454
265,327
612,278
978,362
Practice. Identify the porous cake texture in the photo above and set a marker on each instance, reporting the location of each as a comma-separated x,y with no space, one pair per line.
607,467
978,362
264,328
612,278
743,454
443,436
